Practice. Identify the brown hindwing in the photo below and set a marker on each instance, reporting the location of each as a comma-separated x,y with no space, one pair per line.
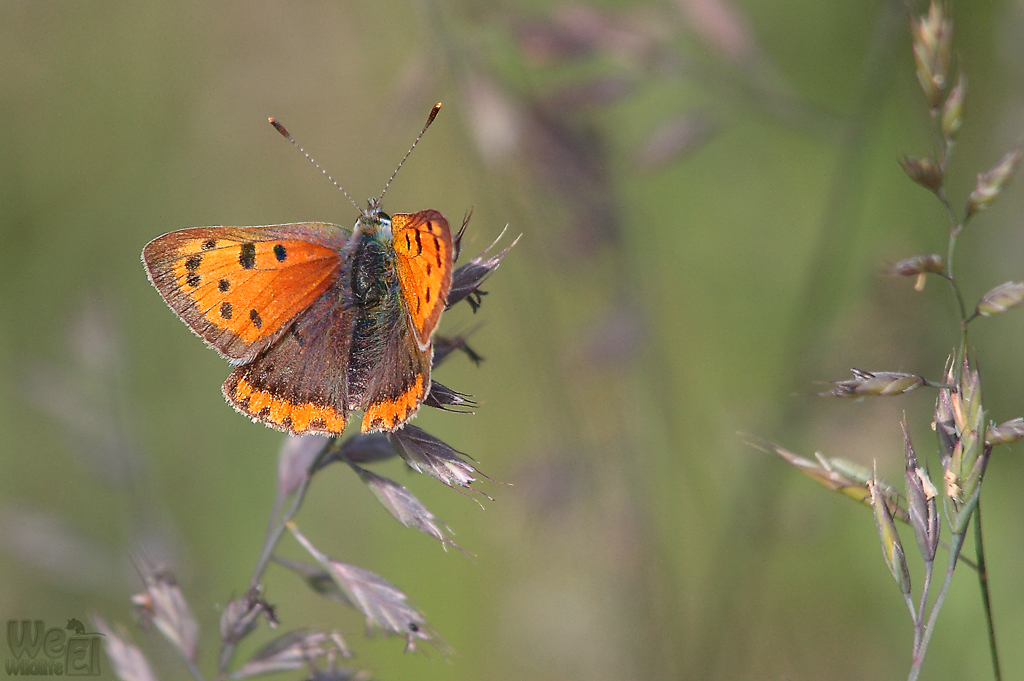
299,384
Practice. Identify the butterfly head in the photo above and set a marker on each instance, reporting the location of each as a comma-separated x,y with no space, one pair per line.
374,220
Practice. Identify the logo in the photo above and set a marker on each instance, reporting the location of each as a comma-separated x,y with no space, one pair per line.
63,654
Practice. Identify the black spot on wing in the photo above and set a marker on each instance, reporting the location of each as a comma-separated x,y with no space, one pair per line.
225,310
257,321
209,243
193,262
247,256
193,279
280,253
223,285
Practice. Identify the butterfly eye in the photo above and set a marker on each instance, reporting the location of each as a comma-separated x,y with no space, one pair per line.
384,216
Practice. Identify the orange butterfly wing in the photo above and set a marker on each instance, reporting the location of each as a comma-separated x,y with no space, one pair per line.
423,259
239,288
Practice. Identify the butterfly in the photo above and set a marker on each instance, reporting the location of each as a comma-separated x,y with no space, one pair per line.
319,320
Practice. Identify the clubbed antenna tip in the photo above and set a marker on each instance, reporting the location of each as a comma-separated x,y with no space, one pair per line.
432,116
280,128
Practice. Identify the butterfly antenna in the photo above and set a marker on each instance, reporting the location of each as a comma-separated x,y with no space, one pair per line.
430,119
281,129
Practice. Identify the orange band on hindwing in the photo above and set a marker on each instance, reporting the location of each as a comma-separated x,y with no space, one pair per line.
389,414
305,417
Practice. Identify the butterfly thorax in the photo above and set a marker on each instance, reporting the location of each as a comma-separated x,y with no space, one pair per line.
373,272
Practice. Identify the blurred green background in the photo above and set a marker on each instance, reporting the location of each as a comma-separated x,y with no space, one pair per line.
707,192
